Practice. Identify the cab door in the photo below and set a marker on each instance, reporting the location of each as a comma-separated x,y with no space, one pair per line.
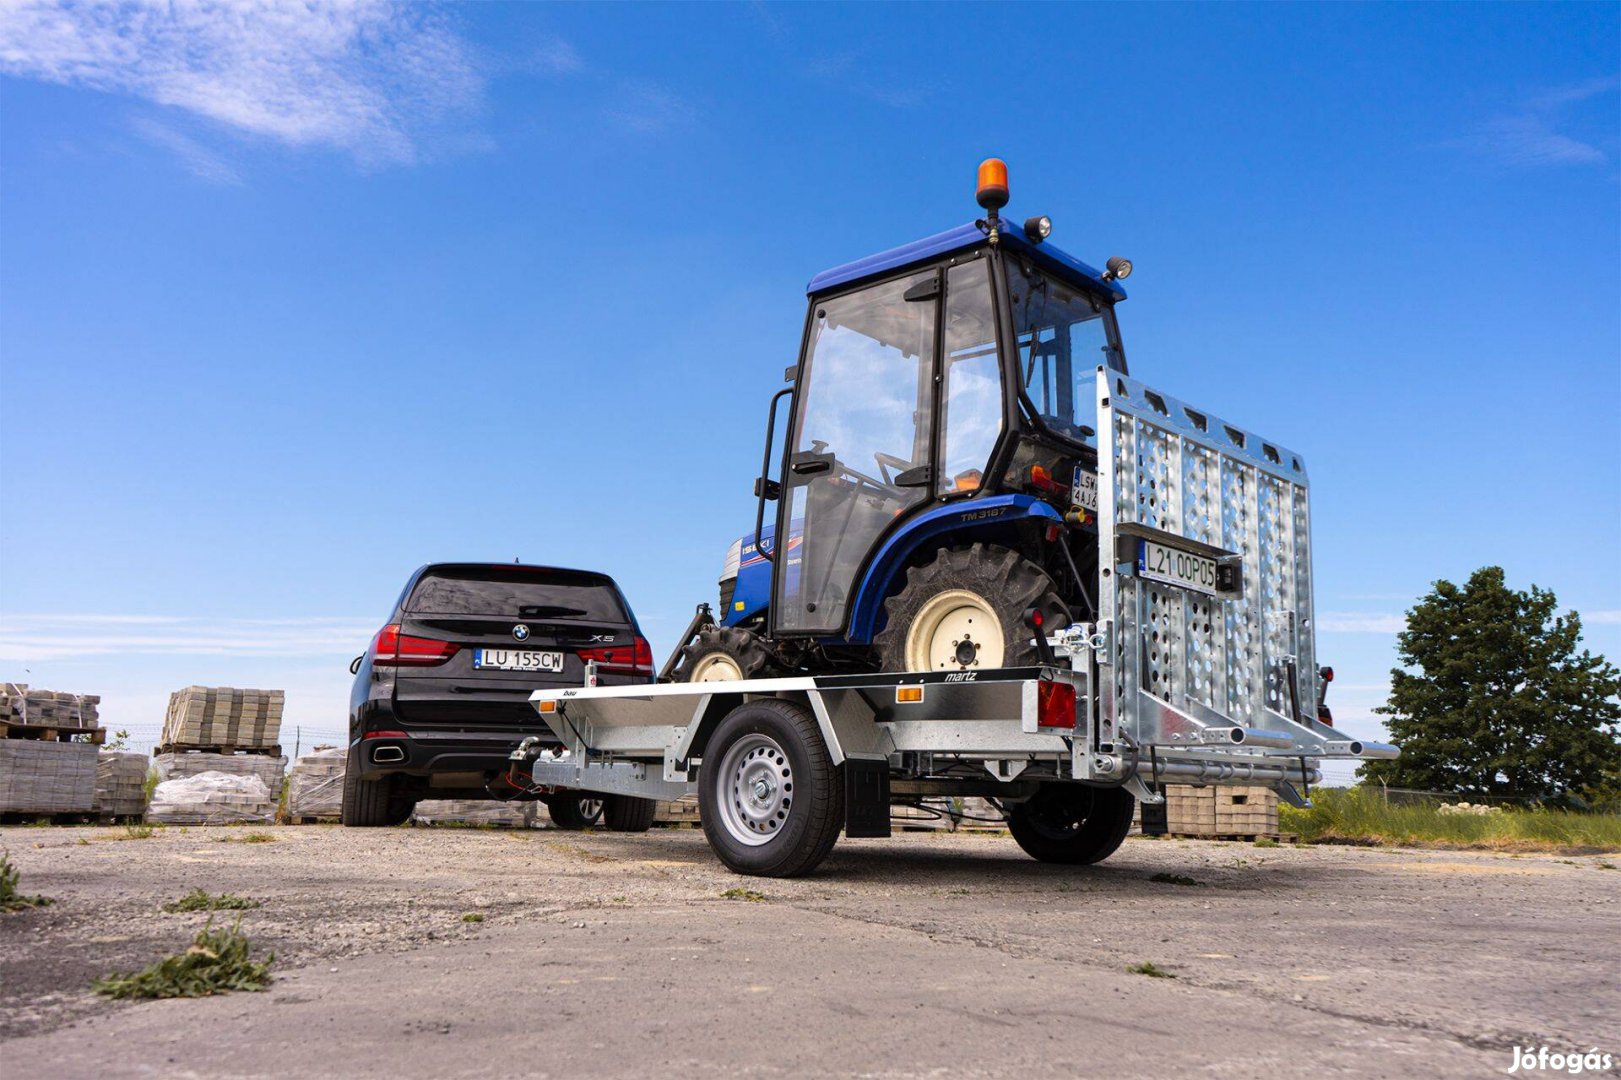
861,450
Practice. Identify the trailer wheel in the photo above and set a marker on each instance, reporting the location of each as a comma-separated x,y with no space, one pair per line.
374,803
723,654
627,813
965,610
575,811
1072,823
770,798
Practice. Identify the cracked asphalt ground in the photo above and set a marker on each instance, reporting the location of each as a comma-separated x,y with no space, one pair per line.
923,955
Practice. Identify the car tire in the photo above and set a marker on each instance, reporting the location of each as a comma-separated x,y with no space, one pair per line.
374,803
626,813
981,590
770,798
575,811
724,654
1072,824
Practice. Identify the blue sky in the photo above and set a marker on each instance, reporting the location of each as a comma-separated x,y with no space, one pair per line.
291,303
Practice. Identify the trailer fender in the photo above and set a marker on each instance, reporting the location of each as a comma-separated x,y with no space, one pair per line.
843,717
989,518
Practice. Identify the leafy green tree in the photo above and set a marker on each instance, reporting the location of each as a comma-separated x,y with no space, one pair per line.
1494,699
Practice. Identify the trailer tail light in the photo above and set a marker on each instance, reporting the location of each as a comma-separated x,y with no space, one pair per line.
634,658
390,648
1055,704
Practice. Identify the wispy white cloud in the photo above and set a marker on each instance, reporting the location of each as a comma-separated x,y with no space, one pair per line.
1538,132
1606,618
650,109
31,638
853,74
1353,622
200,161
557,57
369,78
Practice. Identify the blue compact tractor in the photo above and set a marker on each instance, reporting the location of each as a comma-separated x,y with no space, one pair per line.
935,497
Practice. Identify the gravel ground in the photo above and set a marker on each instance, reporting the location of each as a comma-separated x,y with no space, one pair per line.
924,954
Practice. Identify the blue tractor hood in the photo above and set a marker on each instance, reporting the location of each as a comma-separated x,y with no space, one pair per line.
962,238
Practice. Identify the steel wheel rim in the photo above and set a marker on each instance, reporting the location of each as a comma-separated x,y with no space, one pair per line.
590,810
945,624
754,789
717,667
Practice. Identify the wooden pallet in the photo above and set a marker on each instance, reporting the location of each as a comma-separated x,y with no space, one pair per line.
23,817
305,819
52,733
265,751
1280,837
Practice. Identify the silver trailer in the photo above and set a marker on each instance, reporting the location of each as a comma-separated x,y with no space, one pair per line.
1200,669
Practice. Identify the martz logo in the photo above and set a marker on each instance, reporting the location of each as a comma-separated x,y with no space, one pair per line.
521,632
962,676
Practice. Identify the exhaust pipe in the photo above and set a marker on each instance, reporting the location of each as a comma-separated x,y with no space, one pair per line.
384,755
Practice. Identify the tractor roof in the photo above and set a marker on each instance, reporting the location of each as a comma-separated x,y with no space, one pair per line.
962,238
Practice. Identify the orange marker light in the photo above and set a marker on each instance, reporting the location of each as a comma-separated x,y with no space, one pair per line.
908,695
992,193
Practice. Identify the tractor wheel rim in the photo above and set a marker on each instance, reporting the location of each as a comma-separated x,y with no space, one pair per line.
754,789
951,626
717,667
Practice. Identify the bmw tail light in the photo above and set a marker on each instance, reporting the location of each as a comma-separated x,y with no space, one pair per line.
1055,704
390,648
632,658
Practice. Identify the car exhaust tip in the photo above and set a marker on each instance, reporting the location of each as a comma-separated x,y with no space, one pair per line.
387,754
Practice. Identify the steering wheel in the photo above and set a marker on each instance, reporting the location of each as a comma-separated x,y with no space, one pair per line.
890,461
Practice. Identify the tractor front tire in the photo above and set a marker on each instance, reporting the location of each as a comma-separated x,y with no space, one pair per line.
1072,824
769,796
724,654
965,612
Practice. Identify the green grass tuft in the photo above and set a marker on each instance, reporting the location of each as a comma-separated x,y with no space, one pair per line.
472,916
138,830
743,894
1147,968
199,900
10,898
218,961
248,838
1265,841
1362,815
1173,879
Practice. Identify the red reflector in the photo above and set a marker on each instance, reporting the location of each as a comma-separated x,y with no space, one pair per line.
635,658
385,735
1055,705
391,648
1328,674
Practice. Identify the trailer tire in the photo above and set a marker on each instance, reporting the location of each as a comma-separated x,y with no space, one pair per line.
981,589
374,803
769,796
571,811
627,813
1074,824
724,654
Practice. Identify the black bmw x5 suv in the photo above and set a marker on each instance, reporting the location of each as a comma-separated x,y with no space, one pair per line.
441,697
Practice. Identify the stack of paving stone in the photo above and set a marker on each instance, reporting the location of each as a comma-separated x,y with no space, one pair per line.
223,717
179,764
315,784
121,784
1221,811
682,811
516,815
49,708
212,798
40,777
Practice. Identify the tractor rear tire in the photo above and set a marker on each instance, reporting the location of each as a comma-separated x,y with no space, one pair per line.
374,803
1072,824
724,654
769,796
965,611
627,813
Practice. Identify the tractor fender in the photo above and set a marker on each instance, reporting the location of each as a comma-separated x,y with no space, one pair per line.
985,518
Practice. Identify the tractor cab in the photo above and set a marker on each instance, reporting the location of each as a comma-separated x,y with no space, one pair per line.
948,370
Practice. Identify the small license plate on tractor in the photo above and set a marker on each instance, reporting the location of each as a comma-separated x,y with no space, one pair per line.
1083,490
517,660
1173,566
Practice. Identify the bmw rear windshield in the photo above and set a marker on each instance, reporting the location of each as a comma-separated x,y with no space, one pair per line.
516,592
